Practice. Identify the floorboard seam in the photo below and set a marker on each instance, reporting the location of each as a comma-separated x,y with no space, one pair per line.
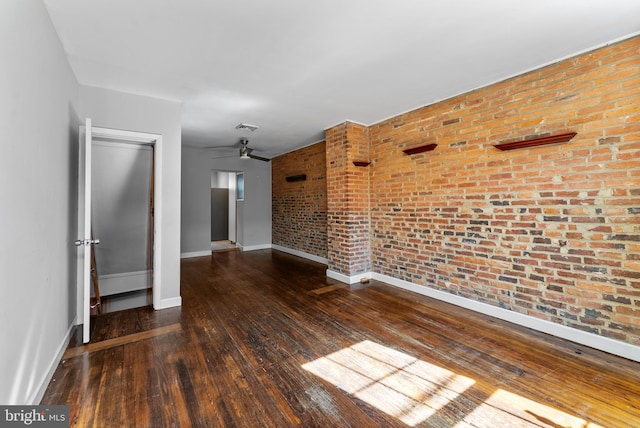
119,341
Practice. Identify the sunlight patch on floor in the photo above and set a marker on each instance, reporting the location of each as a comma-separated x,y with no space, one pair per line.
413,390
511,405
393,382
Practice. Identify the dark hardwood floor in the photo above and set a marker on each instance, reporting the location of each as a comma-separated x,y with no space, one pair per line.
265,339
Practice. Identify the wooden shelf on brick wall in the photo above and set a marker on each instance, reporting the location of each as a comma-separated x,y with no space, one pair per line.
361,163
300,177
536,141
420,149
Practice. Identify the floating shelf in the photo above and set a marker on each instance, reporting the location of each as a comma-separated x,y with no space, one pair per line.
421,149
361,163
538,141
300,177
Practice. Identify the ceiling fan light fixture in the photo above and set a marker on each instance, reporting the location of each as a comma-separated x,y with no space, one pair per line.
244,150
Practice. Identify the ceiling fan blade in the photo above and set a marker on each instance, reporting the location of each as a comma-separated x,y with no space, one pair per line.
224,157
222,148
244,151
260,158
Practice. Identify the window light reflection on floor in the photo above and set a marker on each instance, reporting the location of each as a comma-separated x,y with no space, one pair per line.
393,382
507,405
413,390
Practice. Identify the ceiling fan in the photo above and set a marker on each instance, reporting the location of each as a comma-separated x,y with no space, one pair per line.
245,152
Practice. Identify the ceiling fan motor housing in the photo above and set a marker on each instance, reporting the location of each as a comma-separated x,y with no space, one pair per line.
244,150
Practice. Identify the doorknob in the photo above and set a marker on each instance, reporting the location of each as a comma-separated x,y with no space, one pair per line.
86,242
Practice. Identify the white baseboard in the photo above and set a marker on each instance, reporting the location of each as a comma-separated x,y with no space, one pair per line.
348,279
35,399
615,347
195,254
302,254
602,343
254,247
168,303
123,282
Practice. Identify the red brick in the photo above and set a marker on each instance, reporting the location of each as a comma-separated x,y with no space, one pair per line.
472,220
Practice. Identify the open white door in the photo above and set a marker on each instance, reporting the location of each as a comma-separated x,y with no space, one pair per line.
87,136
85,240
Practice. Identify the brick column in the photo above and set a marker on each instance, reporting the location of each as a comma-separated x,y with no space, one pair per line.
348,215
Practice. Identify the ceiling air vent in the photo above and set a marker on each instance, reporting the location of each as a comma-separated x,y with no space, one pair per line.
247,126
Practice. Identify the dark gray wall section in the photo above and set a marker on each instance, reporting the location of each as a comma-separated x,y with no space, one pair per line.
219,214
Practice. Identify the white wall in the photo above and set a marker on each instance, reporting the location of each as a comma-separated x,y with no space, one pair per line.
219,180
111,109
38,185
254,213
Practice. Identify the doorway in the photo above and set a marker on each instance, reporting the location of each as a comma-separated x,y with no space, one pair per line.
143,142
122,218
223,210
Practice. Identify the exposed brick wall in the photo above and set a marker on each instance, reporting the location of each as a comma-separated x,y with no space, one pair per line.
299,219
552,232
348,208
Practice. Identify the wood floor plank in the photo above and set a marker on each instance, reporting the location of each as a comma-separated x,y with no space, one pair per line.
327,289
137,360
120,341
264,338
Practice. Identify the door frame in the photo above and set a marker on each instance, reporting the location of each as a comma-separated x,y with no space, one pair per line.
232,223
84,205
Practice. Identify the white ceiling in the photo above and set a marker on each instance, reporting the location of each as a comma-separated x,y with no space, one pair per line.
296,67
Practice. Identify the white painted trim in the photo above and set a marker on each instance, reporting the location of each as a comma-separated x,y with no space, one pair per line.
605,344
134,137
129,137
168,303
124,136
302,254
254,247
126,146
158,161
195,254
232,227
123,282
36,397
86,233
345,121
348,279
123,274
